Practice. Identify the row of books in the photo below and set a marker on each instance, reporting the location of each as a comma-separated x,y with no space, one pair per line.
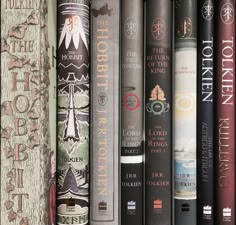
117,112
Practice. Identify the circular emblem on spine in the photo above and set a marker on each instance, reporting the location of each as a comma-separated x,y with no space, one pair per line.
102,98
131,102
158,29
184,29
227,13
207,10
157,107
130,28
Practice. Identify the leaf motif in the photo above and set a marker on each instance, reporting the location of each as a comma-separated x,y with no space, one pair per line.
5,47
11,174
8,152
33,140
33,113
34,126
35,79
6,108
9,187
6,132
33,18
18,31
12,215
16,62
9,204
24,221
35,66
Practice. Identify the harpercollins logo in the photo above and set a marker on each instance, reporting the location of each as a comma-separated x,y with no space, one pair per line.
227,214
131,207
207,10
207,212
157,206
227,13
185,208
102,207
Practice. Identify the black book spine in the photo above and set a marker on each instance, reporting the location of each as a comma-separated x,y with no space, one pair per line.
73,111
184,113
132,112
205,113
158,104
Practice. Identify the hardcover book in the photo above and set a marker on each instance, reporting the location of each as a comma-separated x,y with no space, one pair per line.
158,107
225,113
132,112
73,111
184,113
205,113
105,111
27,141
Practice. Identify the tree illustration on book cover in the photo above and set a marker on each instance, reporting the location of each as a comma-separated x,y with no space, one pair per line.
73,112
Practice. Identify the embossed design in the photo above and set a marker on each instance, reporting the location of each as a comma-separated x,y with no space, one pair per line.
6,108
157,104
5,47
73,30
18,31
207,10
158,29
102,98
130,28
16,62
184,28
131,102
227,13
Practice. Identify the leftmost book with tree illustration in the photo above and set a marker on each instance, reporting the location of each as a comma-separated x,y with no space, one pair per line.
28,106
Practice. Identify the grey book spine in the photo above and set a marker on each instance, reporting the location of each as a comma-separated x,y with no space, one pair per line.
73,112
132,112
184,113
105,107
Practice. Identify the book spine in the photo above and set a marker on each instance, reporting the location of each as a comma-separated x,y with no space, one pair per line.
132,72
184,113
27,165
205,113
73,111
158,167
225,113
105,106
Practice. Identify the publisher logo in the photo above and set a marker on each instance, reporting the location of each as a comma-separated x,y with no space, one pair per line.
207,10
185,208
131,207
157,206
227,13
158,29
227,214
131,102
130,28
102,99
184,29
102,207
207,212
